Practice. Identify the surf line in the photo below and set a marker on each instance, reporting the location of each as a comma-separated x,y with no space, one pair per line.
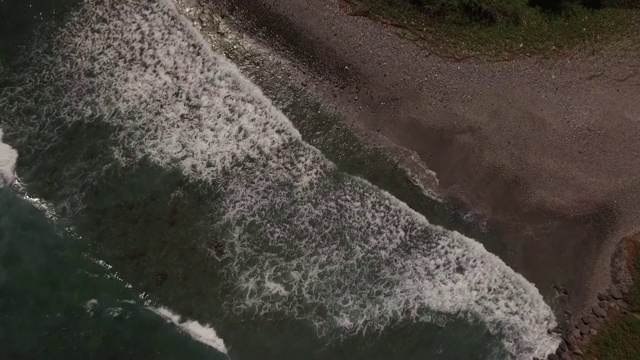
201,333
8,158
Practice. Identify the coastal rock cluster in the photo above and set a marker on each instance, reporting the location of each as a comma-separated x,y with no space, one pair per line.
577,331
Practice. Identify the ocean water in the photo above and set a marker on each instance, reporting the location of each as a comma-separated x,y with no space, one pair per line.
152,175
56,302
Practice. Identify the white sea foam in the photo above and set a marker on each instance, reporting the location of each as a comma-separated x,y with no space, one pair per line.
8,158
202,333
44,206
114,311
307,242
91,306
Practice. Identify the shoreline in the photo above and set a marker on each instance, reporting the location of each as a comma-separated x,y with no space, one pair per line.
519,202
279,78
569,225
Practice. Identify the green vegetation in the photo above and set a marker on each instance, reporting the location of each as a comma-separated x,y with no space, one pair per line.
621,340
501,28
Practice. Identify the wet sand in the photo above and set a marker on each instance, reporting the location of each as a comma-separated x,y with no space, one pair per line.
547,150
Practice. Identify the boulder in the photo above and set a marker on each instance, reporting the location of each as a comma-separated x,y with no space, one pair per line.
597,311
557,330
578,352
553,357
615,293
603,304
602,296
576,334
588,319
584,329
593,332
562,346
623,304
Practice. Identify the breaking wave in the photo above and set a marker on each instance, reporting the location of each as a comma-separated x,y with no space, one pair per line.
202,333
303,239
8,158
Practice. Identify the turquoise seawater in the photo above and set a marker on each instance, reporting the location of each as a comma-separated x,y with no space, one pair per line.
171,181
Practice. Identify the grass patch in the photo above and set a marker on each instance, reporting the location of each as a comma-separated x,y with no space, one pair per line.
504,28
621,340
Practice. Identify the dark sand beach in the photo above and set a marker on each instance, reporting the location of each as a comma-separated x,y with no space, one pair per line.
546,150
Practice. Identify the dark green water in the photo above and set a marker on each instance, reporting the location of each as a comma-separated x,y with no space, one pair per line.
163,231
48,278
46,281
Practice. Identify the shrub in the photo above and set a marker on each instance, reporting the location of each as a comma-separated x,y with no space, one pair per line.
506,11
621,4
548,5
483,11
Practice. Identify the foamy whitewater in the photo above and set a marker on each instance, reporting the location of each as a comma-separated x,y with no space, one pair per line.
201,333
307,242
8,158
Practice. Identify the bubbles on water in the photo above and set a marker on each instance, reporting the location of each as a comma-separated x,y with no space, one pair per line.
91,306
202,333
8,158
306,241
